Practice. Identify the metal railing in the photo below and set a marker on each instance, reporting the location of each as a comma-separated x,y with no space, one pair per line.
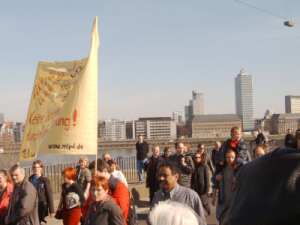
126,164
54,172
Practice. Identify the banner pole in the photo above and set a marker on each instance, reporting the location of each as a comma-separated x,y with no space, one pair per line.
96,158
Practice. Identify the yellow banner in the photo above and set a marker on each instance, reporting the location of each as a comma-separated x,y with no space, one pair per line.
62,115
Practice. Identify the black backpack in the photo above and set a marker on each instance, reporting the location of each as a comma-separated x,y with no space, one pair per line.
132,216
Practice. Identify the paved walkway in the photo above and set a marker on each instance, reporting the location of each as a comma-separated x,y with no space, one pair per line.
139,193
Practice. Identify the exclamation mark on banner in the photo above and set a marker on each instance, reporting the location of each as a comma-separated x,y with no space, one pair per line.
74,117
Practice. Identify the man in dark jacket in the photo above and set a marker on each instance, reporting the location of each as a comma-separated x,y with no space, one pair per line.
238,145
44,190
217,157
23,207
267,190
184,164
200,180
152,171
260,138
142,149
289,141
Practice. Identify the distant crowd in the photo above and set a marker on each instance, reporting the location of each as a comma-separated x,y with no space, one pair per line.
184,185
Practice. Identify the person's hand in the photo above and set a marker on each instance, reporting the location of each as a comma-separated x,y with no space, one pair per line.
219,177
86,195
183,161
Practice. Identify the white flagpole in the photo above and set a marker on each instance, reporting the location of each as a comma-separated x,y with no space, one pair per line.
94,54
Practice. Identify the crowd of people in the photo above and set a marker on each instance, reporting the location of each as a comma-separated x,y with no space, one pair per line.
89,195
202,178
183,185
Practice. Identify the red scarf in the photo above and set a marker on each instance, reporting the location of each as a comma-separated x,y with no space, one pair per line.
233,144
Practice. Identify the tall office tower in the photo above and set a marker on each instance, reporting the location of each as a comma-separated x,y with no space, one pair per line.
195,106
292,104
244,99
198,103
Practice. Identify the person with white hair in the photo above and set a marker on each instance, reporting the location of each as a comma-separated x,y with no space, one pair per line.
172,213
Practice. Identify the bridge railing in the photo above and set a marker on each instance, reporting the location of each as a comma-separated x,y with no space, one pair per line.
54,172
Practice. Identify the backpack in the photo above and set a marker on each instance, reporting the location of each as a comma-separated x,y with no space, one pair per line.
132,216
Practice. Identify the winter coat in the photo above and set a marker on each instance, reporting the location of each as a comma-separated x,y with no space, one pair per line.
152,171
241,150
23,207
120,194
185,170
69,189
45,196
200,179
141,150
104,213
260,139
267,190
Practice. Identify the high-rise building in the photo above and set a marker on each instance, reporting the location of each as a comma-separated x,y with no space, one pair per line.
195,106
18,131
156,127
244,100
198,103
177,117
292,104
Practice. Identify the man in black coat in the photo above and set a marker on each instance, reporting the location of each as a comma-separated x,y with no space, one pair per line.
260,138
268,190
142,149
44,190
152,171
289,140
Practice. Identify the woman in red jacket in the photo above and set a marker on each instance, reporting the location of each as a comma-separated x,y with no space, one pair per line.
6,189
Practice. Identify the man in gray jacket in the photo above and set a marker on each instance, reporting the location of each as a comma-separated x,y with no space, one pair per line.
170,190
23,206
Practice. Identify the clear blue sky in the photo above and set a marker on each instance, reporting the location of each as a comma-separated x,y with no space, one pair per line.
154,52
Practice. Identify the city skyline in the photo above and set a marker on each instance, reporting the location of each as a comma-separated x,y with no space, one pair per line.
149,66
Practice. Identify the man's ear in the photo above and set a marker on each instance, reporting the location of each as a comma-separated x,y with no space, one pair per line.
176,176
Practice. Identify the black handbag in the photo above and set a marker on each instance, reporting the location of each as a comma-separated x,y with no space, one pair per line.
59,214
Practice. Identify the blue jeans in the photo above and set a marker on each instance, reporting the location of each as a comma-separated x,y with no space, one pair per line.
140,169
